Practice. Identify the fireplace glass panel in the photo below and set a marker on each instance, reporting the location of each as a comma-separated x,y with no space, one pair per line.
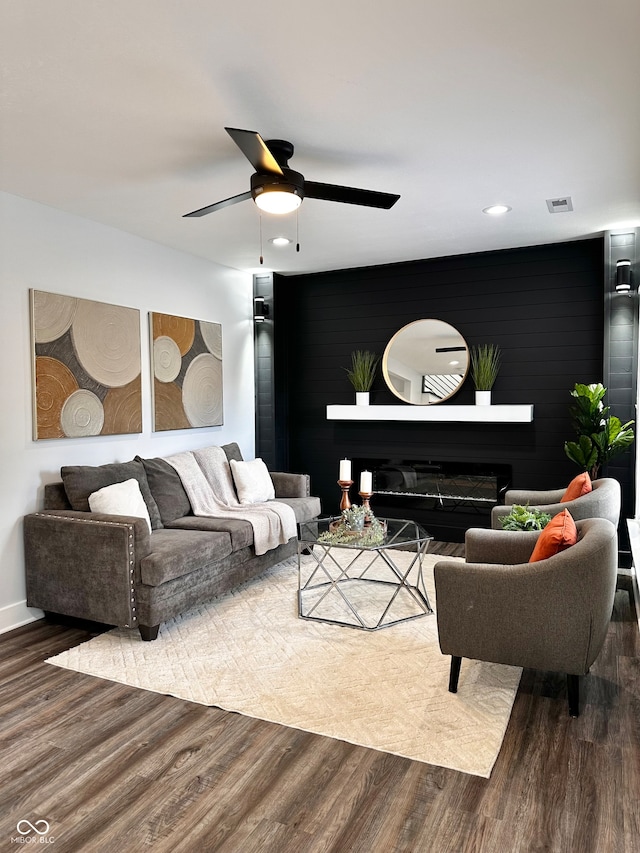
435,485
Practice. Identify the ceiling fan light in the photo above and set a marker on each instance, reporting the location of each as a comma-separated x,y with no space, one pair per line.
278,193
277,201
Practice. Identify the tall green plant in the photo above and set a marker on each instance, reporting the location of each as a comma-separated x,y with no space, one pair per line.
362,372
601,436
485,364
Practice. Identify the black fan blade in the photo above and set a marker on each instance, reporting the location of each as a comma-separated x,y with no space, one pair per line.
219,205
255,150
349,195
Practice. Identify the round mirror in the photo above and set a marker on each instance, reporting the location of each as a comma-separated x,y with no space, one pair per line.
425,362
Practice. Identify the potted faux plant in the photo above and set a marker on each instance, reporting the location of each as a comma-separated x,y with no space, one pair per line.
485,364
354,517
601,436
523,518
362,372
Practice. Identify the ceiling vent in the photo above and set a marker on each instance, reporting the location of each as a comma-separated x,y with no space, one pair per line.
560,205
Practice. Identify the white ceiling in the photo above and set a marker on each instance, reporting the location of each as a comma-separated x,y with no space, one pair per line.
115,111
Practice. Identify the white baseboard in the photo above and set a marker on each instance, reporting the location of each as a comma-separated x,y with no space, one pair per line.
18,614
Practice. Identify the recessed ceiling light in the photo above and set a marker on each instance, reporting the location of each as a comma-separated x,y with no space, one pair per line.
280,241
496,209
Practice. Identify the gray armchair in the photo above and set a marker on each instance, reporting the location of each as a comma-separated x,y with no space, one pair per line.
602,502
550,615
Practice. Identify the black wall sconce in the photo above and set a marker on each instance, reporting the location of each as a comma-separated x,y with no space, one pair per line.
260,309
623,276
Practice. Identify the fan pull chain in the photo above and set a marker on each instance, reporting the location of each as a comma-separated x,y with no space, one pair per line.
261,257
297,230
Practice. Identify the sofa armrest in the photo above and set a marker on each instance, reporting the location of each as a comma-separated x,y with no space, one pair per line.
291,485
507,547
522,497
85,564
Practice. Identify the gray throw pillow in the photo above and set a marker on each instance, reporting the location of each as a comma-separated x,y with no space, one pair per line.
233,452
167,489
80,481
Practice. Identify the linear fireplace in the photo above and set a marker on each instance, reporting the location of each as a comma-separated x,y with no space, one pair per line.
447,497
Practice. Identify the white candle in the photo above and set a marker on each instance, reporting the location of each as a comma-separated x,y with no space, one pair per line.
345,469
366,481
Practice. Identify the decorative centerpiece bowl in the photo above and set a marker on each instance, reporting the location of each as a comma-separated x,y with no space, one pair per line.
356,525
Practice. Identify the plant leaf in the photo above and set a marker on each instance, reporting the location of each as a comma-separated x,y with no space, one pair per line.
583,452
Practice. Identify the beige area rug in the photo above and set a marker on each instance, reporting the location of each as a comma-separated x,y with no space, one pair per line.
249,652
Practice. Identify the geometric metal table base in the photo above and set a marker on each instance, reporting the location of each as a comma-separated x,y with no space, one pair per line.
363,587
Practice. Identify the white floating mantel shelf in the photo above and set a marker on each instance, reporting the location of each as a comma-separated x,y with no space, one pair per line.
444,414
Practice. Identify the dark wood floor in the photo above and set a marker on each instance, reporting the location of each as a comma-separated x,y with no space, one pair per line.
112,768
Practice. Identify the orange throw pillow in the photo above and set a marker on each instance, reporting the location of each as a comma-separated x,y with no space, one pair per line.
559,534
580,485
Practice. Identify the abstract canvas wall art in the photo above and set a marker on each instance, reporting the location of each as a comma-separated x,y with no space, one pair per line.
86,367
186,357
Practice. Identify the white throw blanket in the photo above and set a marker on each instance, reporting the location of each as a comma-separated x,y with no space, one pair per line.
208,482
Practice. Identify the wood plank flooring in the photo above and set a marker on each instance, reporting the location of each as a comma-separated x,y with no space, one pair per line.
112,768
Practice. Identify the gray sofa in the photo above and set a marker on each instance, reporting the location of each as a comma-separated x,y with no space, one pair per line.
112,569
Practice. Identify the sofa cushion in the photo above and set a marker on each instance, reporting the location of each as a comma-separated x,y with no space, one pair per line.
579,486
175,553
252,481
559,534
167,489
120,499
82,480
304,508
232,451
55,496
241,532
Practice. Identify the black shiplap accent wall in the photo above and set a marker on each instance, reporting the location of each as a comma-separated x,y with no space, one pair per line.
263,348
271,397
620,365
542,305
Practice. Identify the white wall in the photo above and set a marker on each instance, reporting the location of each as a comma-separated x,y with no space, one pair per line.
46,249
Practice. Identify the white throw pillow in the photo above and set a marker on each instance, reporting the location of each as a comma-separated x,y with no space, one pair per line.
121,499
253,481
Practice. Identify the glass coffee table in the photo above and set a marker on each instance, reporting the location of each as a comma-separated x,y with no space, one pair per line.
359,585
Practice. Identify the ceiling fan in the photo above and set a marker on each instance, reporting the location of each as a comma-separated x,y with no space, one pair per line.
276,188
